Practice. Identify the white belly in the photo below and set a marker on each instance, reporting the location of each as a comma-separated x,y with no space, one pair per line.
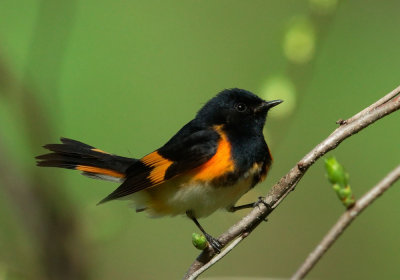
175,197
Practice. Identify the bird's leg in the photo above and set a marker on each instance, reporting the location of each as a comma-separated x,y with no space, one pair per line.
250,205
240,207
215,244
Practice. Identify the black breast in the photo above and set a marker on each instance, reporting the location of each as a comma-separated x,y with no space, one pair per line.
248,153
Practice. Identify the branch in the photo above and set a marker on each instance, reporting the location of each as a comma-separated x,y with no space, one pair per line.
344,221
217,258
378,110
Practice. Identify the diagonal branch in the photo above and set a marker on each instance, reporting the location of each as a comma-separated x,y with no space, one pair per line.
217,257
344,221
383,107
378,103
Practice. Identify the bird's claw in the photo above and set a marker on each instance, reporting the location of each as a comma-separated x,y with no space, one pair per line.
262,201
214,243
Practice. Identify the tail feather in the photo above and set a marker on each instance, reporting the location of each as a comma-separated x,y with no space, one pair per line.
94,163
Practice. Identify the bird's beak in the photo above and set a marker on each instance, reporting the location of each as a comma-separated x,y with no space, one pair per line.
266,105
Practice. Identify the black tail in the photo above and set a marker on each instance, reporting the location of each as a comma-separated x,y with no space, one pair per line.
94,163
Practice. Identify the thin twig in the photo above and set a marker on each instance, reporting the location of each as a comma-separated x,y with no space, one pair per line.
388,104
378,103
344,221
217,258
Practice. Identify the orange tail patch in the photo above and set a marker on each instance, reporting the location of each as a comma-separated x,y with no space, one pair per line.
98,170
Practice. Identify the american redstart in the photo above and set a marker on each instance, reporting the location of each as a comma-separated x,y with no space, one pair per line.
209,164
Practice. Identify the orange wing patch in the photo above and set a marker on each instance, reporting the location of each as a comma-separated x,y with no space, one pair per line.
98,170
159,165
220,164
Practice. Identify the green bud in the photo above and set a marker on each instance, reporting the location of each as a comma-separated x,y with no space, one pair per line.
199,241
335,172
336,188
346,192
339,178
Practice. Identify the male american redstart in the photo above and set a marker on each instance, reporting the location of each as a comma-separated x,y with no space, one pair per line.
209,164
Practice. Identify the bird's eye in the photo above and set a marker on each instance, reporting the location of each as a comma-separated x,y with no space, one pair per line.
240,107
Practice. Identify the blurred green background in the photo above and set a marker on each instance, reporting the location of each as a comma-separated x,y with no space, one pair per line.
124,76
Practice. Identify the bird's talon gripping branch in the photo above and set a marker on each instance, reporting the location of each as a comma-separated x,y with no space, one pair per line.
214,243
262,201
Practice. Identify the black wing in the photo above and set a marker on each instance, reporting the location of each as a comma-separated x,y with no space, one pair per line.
189,148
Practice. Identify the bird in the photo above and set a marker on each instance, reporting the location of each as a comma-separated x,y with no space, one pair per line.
210,163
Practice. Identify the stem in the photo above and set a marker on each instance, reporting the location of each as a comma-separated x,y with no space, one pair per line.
216,258
344,221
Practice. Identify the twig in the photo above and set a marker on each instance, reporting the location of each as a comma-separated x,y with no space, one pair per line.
216,258
344,221
388,104
378,103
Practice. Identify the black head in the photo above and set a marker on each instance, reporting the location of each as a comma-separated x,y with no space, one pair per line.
236,108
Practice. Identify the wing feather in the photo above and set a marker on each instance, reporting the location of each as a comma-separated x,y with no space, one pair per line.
188,149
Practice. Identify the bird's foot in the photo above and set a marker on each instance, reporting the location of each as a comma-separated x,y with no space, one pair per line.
261,200
214,243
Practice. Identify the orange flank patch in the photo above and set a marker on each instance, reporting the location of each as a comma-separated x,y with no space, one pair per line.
220,164
98,170
159,165
100,151
257,167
